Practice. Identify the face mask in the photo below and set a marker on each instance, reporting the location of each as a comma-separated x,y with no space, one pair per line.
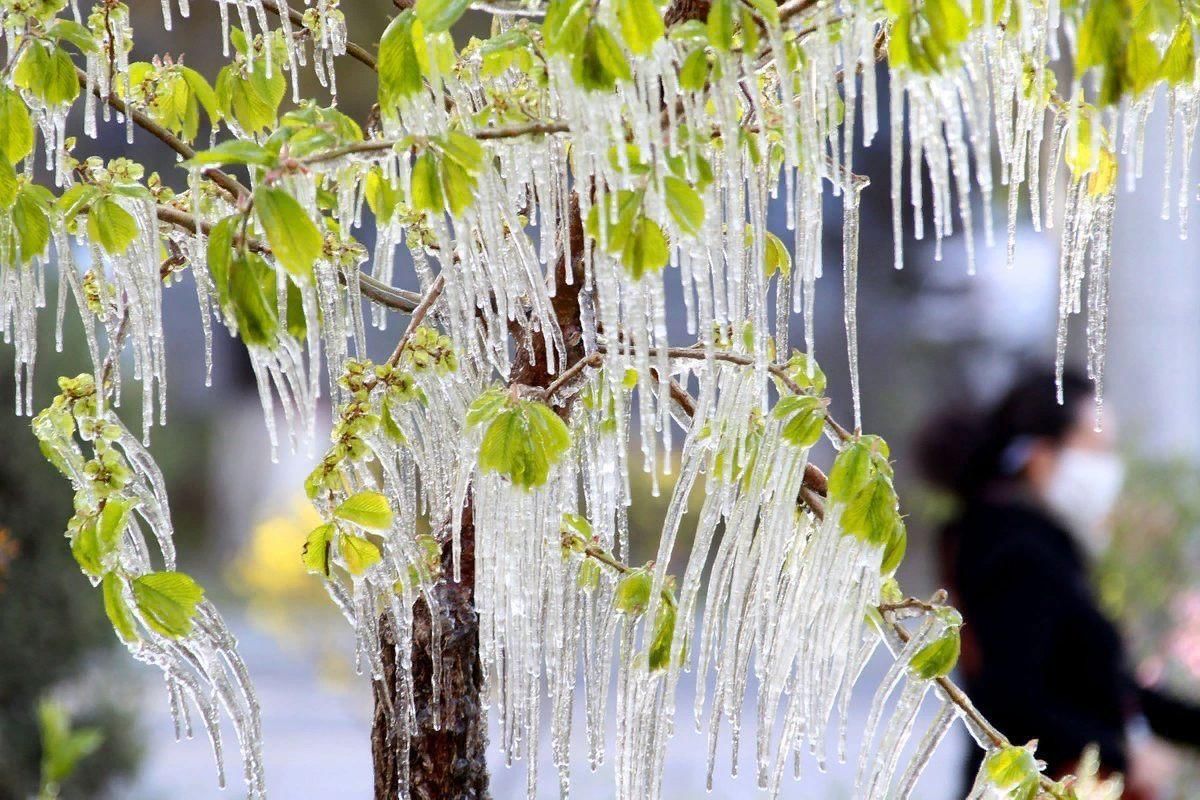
1082,492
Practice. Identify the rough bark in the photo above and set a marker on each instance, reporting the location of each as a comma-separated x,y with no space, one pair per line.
448,762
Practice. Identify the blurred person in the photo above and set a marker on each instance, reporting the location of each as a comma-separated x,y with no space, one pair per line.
1034,484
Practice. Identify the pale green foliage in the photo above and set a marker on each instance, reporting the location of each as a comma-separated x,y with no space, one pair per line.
522,439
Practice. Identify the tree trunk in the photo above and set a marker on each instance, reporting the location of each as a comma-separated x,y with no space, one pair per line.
448,762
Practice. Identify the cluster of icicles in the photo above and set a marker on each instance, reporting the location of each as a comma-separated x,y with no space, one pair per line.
202,669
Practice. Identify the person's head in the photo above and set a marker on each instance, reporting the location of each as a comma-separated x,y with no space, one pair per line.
1030,442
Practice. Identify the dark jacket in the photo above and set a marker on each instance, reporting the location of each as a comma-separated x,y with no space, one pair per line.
1040,660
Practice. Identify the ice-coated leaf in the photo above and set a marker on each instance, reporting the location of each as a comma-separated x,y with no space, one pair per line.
851,471
357,552
366,509
1011,766
295,240
659,655
803,419
685,205
112,588
641,24
16,126
317,547
111,226
399,70
633,592
646,250
523,441
439,15
235,151
167,601
871,514
938,657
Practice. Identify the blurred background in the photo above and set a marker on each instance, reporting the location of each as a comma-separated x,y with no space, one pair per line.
927,333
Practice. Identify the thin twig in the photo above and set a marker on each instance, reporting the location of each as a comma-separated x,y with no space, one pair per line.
418,316
222,179
535,128
355,51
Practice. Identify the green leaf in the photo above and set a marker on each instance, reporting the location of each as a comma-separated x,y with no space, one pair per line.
295,240
252,300
439,15
871,514
458,187
600,63
399,71
426,184
663,635
803,419
47,73
8,185
390,427
893,551
937,658
641,24
220,254
1011,766
32,223
235,151
85,546
851,471
523,441
16,126
167,601
111,226
68,30
684,204
317,547
646,250
720,25
693,73
366,509
633,592
113,519
382,195
565,26
358,553
1179,60
117,609
776,257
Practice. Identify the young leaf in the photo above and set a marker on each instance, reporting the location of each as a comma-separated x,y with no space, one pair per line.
851,471
358,553
16,127
295,240
720,25
523,441
659,655
8,185
937,658
117,609
112,522
252,300
803,419
633,592
111,226
235,151
893,551
426,184
399,71
366,509
1011,766
317,547
641,24
685,205
871,514
439,15
167,601
646,250
32,223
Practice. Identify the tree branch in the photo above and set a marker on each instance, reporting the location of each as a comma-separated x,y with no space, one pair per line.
222,179
418,316
357,52
535,128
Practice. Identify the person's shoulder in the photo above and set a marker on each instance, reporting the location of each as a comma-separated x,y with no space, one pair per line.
1000,532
